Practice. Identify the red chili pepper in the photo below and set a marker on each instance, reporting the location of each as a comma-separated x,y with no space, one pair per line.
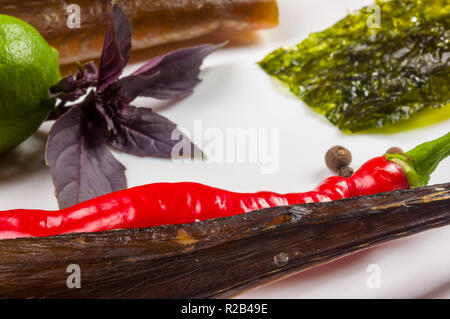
180,203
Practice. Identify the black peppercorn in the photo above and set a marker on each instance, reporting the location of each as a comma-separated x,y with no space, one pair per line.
346,171
395,150
337,158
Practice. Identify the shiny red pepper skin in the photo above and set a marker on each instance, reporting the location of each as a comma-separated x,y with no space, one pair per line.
180,203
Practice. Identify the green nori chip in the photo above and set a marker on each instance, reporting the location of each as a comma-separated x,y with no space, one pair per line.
363,77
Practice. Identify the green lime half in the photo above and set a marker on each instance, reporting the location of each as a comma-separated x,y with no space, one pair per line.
28,68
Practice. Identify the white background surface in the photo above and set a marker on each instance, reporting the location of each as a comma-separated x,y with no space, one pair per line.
236,93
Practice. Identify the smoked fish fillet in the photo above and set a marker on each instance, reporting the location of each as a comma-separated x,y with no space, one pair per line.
154,22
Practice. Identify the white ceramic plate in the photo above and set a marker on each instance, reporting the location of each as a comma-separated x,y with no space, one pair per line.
237,94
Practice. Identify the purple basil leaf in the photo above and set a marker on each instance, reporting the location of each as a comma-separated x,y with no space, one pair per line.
73,87
116,48
142,132
82,167
89,72
102,109
178,72
130,87
67,85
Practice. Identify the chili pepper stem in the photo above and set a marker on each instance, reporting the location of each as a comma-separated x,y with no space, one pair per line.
420,162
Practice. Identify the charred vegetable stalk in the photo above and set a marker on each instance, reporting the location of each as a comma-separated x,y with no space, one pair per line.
363,76
155,21
182,203
246,250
